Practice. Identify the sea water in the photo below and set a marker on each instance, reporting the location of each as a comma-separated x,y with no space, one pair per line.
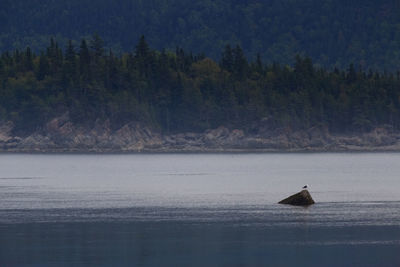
199,210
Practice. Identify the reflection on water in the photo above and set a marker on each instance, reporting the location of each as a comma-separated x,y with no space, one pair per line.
199,210
159,237
320,215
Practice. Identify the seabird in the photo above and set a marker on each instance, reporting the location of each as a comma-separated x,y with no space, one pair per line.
305,187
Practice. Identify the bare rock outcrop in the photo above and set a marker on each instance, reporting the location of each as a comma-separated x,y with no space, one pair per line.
5,131
302,198
61,134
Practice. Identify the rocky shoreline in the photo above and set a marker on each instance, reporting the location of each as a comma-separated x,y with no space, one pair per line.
60,135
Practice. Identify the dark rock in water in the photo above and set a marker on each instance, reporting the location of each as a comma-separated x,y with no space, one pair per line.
302,198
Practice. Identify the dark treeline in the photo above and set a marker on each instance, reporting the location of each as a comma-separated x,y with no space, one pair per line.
178,91
333,33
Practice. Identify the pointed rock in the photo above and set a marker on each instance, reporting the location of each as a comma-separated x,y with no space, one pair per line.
302,198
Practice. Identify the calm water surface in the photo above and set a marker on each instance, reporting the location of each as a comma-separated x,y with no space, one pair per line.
199,210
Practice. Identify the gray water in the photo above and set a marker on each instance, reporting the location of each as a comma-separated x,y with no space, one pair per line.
199,210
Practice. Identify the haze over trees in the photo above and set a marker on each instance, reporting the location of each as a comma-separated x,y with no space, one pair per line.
177,91
333,33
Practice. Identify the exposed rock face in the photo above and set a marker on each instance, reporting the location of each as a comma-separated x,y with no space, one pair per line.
62,135
302,198
5,131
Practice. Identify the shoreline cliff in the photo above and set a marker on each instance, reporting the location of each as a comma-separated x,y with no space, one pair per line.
61,135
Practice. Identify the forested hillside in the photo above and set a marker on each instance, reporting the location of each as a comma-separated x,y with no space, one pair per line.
332,33
178,91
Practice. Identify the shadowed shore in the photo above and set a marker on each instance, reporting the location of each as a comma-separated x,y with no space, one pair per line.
62,135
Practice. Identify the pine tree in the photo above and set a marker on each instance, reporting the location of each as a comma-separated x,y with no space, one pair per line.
111,77
142,50
227,60
28,59
259,64
97,46
84,61
51,50
54,56
144,59
70,66
97,62
18,61
43,69
240,65
351,74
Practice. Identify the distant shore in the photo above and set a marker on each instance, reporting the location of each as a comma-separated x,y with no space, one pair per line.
199,151
61,136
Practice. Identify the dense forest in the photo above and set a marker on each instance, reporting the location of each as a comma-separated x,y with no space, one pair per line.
176,91
333,33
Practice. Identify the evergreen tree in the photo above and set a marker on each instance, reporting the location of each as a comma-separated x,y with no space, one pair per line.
70,66
142,50
144,59
28,59
84,61
351,74
97,62
240,64
43,69
259,67
185,92
227,61
55,57
97,46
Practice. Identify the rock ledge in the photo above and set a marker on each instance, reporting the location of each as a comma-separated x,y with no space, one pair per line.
302,198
